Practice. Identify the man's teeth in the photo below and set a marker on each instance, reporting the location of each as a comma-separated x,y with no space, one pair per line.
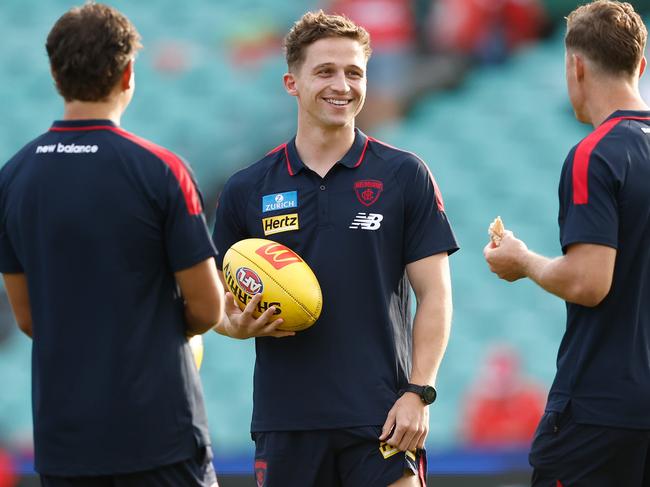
337,102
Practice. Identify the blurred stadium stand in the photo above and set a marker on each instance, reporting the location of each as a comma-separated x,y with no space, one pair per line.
208,89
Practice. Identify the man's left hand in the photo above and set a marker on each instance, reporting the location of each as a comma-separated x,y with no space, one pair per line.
408,420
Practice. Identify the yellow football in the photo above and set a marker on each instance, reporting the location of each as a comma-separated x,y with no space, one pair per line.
257,265
196,344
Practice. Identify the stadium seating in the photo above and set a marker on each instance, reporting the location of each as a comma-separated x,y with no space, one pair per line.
495,146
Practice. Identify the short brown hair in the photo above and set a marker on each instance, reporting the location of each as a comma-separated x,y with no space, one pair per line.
89,47
314,26
609,33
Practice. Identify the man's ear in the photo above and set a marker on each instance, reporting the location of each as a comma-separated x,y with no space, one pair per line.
289,81
578,67
642,66
127,75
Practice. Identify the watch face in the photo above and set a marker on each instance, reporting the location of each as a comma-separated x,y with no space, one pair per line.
429,394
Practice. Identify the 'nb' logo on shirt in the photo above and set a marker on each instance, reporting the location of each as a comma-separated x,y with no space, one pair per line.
366,221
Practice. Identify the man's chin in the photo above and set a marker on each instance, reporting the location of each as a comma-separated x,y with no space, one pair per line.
339,123
582,118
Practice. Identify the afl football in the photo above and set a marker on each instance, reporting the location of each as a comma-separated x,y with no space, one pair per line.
254,265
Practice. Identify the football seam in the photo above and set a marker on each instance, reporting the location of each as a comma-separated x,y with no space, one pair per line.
307,312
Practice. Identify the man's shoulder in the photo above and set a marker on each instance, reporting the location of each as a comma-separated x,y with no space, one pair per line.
607,140
253,173
388,152
28,150
145,146
404,164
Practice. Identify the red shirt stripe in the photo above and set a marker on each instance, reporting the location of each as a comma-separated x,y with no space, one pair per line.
580,174
363,153
422,474
286,156
277,149
180,171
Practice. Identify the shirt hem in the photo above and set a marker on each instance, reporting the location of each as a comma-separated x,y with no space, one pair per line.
450,249
186,264
265,427
112,470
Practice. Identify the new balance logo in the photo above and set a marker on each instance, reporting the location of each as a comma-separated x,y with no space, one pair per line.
366,221
68,149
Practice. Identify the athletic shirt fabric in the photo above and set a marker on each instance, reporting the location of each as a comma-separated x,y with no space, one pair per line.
377,210
99,219
603,366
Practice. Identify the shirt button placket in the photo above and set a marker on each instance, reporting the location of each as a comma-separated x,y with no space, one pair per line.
323,211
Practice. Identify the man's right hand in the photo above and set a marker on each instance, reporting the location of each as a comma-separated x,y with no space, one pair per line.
242,324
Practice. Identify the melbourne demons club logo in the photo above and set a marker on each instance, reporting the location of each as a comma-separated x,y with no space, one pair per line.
249,281
278,255
368,191
260,472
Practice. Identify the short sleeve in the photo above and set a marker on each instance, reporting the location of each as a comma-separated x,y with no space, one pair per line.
427,230
187,238
592,218
9,262
227,226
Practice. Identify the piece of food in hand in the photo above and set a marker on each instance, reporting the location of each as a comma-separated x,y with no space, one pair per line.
496,231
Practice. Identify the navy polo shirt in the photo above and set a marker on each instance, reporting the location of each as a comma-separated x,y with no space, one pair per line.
99,220
377,210
603,365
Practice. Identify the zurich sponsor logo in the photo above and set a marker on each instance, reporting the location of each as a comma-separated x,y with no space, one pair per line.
279,201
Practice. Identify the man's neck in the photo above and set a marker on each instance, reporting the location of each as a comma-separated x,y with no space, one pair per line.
613,97
321,148
84,110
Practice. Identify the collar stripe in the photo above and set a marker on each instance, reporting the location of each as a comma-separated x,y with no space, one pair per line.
363,153
286,155
277,149
83,127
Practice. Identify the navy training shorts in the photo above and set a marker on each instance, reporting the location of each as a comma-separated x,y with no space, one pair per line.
194,472
568,454
351,457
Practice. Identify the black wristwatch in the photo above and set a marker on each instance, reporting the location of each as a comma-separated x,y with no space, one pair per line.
427,393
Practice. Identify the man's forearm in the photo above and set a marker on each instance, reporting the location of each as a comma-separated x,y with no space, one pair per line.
431,329
564,279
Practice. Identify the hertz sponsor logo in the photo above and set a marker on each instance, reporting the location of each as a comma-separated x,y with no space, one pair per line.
280,223
240,294
278,255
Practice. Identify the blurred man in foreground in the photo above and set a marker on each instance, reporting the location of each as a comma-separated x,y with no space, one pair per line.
596,429
109,267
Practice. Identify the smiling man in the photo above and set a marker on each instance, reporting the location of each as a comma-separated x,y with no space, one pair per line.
344,403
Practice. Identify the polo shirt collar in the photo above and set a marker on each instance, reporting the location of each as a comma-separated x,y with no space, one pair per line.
353,158
83,123
629,114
